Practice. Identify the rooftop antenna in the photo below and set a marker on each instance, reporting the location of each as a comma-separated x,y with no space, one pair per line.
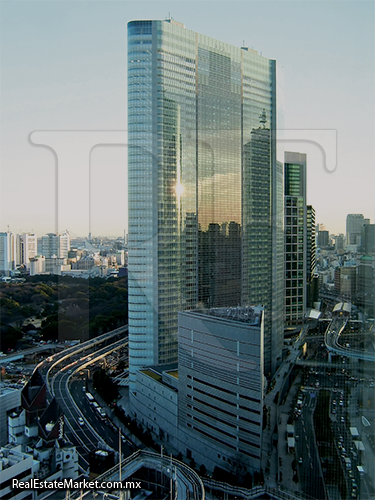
243,43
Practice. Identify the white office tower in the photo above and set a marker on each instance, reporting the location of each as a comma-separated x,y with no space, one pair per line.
37,265
26,248
55,245
7,252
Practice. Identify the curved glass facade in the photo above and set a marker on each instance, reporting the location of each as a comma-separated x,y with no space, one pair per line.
205,186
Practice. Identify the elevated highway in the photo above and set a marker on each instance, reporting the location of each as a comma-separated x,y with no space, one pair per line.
60,369
341,315
94,433
11,358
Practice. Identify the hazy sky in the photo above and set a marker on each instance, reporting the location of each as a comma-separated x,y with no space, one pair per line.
63,67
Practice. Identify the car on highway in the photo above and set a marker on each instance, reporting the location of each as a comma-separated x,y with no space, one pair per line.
81,421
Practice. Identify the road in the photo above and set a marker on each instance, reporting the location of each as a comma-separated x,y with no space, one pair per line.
309,465
64,382
331,338
11,358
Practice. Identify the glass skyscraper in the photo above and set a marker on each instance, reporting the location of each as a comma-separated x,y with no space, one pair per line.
295,237
311,277
206,186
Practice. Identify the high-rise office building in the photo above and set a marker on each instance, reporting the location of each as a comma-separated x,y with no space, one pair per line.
368,239
205,186
26,248
366,284
295,237
7,252
311,278
339,243
354,223
311,244
37,265
55,245
323,239
345,280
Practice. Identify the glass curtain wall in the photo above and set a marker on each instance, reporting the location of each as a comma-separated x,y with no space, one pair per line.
205,186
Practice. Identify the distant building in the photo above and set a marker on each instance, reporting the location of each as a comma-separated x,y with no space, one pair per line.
311,277
120,257
56,265
7,252
339,243
354,223
323,239
337,278
366,284
368,239
26,248
57,245
295,237
84,263
311,244
37,265
95,272
348,281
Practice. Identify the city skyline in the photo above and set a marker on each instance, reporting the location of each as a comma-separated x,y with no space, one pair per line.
121,235
64,68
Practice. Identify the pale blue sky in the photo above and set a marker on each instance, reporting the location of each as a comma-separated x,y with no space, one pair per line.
63,67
